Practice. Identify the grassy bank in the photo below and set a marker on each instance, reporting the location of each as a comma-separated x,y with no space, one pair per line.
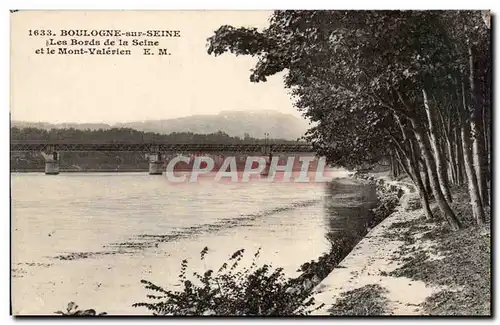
411,266
458,262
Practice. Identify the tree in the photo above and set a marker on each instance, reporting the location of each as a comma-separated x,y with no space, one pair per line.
374,82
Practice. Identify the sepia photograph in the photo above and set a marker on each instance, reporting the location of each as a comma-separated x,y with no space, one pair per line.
251,163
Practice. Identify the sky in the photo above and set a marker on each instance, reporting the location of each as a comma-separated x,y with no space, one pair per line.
119,88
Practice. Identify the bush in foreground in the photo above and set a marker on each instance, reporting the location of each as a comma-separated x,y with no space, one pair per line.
72,310
231,291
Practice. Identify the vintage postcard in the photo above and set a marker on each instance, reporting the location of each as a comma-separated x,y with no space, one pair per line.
250,163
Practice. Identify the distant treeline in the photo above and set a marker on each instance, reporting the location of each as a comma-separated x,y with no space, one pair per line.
130,135
119,161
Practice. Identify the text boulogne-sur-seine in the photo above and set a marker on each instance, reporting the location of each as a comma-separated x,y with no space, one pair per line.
118,33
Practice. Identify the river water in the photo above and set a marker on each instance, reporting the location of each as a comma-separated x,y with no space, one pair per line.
91,237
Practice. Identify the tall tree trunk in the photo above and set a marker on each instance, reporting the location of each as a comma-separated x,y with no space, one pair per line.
452,160
486,14
475,124
485,125
448,160
411,169
440,162
397,171
475,198
422,191
393,166
404,163
425,177
480,166
445,208
486,132
459,157
449,146
487,122
450,141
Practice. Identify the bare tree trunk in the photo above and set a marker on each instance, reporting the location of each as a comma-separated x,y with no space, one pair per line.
449,147
449,127
453,163
475,198
479,162
440,163
404,169
403,161
475,124
487,118
411,169
447,158
459,158
445,208
450,141
486,132
423,193
425,177
393,166
396,168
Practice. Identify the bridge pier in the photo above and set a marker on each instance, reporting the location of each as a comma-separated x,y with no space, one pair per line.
156,164
266,170
51,163
156,168
266,150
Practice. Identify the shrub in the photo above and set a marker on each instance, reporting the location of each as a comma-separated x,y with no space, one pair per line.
340,246
231,291
388,196
72,310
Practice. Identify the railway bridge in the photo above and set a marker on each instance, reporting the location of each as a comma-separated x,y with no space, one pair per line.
155,152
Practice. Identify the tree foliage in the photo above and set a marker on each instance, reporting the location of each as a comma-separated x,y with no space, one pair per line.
379,84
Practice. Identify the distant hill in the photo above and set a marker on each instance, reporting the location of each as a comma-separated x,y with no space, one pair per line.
234,123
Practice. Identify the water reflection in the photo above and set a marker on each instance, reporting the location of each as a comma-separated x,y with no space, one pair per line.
347,208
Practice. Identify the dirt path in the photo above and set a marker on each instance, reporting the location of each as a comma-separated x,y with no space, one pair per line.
371,262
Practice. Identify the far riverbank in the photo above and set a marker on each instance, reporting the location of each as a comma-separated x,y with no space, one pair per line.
63,170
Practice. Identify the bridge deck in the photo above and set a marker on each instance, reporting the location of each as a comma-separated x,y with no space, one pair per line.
31,146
